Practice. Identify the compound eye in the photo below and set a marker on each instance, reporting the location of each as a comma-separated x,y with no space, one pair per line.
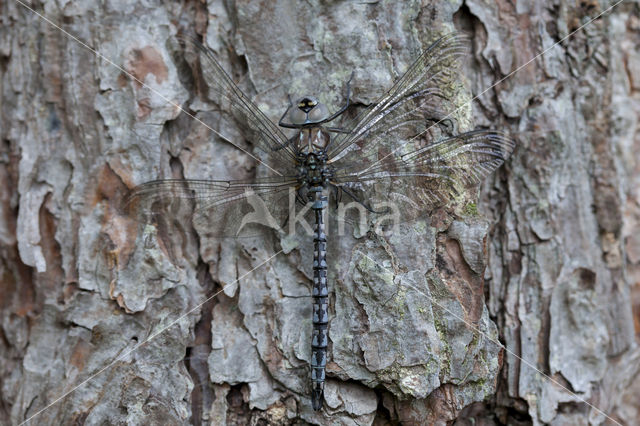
297,116
318,112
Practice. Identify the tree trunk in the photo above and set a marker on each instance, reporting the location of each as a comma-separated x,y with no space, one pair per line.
521,313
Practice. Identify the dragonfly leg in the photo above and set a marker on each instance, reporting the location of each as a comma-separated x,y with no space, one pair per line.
290,141
301,195
357,200
336,130
346,105
337,195
281,122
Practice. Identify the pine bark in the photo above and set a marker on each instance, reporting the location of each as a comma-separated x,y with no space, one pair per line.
518,312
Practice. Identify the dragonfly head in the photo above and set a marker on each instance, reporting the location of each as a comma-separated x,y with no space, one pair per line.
307,110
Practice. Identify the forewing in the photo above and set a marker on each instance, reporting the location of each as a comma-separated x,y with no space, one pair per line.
419,99
264,135
216,208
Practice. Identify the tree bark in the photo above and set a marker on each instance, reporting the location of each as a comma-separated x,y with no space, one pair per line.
522,313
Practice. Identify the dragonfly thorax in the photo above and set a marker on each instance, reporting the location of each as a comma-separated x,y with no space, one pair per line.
311,145
313,170
312,141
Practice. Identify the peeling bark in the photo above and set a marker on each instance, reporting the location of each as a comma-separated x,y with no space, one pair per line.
451,320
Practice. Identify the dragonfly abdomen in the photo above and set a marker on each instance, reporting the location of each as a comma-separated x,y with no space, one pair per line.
320,294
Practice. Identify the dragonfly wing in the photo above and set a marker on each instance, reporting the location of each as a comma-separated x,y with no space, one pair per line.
266,136
217,208
428,176
396,155
420,98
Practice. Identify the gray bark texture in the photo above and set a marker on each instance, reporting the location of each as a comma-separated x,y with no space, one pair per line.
516,310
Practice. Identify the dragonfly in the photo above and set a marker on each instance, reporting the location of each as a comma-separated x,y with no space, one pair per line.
398,158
